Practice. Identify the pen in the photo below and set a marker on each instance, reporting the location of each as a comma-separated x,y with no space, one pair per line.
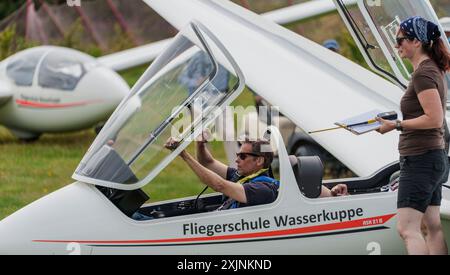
362,123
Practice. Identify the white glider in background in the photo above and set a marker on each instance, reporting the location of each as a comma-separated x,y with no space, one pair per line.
51,89
134,57
303,11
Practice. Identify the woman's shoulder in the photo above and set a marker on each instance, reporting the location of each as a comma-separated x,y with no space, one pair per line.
427,76
428,67
427,70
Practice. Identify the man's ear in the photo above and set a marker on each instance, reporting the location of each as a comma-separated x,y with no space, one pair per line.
260,161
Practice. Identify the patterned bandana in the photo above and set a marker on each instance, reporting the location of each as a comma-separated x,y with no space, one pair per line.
421,29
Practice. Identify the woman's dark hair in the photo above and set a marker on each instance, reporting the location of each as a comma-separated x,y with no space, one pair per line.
437,51
435,48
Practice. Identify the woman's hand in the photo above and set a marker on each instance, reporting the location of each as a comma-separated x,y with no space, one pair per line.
386,125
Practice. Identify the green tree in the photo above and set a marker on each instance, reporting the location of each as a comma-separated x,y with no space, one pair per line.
9,6
74,39
10,43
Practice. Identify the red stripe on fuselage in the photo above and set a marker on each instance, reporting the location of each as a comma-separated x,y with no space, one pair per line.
40,105
285,232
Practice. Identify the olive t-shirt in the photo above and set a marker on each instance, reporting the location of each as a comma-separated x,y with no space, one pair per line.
417,142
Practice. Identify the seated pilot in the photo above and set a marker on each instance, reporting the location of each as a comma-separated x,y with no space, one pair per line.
255,186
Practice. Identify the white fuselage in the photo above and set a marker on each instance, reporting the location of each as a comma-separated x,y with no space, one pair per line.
86,222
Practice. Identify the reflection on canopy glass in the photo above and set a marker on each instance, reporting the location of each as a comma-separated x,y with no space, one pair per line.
61,71
184,81
387,18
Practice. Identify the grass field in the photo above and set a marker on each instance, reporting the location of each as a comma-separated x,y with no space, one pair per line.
28,171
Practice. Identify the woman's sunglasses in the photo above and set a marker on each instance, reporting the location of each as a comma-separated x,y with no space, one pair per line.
244,155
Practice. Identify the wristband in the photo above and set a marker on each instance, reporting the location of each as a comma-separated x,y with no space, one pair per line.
398,126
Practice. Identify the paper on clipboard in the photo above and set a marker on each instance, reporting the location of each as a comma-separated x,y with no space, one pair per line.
361,129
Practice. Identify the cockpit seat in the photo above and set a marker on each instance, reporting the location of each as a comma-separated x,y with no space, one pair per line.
308,172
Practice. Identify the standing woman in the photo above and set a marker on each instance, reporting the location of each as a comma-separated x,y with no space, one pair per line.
423,160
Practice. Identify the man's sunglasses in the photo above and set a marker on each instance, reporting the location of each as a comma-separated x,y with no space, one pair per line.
400,40
244,155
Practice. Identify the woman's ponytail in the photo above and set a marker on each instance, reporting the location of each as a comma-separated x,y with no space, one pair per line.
438,52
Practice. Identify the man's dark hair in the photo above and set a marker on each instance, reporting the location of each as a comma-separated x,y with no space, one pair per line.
262,148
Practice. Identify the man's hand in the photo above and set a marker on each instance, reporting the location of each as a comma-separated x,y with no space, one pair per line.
172,144
204,137
339,190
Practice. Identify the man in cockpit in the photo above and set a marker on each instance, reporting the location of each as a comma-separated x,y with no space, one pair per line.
255,186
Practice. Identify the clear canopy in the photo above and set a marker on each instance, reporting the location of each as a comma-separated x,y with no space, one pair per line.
176,96
374,26
21,67
387,18
57,68
383,19
62,71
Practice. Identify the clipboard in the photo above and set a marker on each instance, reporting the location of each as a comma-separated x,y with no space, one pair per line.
361,129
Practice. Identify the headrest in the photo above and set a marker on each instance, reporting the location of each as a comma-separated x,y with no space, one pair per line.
308,172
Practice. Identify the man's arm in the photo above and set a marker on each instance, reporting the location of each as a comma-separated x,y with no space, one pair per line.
337,191
205,158
217,183
325,192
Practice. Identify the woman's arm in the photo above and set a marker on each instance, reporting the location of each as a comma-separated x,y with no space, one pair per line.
432,107
432,119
